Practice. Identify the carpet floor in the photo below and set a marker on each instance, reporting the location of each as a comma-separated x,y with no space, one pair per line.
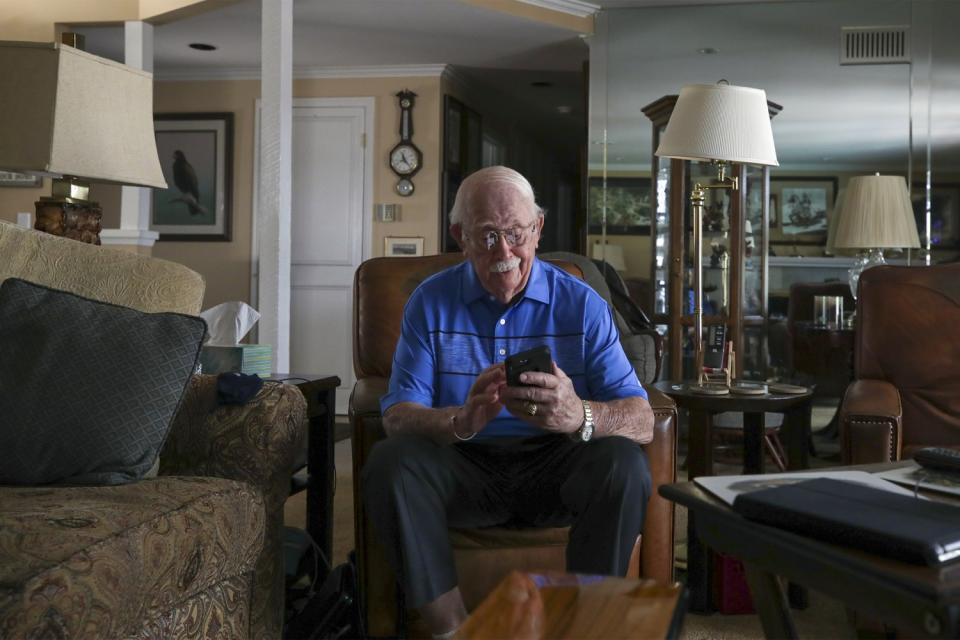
823,619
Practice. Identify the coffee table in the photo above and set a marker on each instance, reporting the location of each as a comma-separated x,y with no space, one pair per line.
558,605
922,601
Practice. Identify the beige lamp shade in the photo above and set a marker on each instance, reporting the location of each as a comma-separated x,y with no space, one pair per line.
67,113
612,254
876,213
720,122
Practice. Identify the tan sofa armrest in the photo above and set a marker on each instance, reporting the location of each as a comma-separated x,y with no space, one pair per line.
255,442
871,422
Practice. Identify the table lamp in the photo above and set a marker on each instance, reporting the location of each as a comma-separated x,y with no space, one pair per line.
719,123
77,118
876,214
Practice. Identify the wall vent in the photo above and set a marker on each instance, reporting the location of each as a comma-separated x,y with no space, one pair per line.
875,45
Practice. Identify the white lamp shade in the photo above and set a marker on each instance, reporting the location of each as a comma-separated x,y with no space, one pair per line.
612,254
720,122
65,112
876,214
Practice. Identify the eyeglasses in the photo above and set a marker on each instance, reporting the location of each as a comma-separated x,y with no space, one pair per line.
514,237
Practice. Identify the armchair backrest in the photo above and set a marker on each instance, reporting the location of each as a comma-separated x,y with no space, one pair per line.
908,334
381,287
109,275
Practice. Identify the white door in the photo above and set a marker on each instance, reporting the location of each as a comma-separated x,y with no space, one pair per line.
330,233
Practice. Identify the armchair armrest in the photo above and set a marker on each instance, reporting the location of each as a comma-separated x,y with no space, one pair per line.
657,549
256,442
871,422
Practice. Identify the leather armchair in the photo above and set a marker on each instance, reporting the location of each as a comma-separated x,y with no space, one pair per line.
906,394
483,556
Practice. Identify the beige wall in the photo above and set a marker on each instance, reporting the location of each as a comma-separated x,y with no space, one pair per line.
226,265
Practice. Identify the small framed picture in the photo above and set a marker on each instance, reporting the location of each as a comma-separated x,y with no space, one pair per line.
11,179
395,246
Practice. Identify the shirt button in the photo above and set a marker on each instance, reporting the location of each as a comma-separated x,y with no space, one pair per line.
503,352
502,321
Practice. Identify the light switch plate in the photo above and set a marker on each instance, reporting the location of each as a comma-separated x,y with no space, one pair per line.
387,212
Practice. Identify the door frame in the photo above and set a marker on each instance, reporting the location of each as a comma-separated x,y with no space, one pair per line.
368,104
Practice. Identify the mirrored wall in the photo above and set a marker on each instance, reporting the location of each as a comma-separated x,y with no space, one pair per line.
837,121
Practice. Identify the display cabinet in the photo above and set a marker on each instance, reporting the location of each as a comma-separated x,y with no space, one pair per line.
735,248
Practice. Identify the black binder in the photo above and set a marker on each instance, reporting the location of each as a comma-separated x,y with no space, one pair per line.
882,522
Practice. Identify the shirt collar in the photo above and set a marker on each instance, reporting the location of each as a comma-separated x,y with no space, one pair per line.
538,287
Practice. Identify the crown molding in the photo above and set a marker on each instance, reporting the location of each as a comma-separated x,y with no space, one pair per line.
576,8
303,73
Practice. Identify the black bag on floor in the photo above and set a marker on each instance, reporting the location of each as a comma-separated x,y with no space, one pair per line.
332,611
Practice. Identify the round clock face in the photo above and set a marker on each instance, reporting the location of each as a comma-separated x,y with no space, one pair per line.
404,103
404,187
405,160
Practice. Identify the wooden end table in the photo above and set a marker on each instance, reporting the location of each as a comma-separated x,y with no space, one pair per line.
320,392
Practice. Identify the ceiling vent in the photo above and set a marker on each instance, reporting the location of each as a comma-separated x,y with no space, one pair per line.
875,45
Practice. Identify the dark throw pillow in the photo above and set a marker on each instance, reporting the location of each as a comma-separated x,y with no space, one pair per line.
88,389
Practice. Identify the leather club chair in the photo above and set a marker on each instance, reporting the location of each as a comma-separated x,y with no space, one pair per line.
381,288
906,394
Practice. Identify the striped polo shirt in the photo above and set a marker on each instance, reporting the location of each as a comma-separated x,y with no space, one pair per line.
453,329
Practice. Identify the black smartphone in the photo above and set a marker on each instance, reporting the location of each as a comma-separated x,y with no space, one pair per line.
536,359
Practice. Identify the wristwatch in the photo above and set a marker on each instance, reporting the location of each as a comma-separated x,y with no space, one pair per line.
585,432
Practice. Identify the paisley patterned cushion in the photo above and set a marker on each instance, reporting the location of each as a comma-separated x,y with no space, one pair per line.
110,562
89,388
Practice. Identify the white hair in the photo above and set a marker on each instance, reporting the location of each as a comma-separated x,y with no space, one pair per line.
485,177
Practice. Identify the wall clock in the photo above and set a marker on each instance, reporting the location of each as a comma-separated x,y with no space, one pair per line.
405,157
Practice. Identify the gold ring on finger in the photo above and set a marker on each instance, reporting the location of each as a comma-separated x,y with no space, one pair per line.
531,408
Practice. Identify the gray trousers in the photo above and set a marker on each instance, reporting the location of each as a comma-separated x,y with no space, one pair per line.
415,488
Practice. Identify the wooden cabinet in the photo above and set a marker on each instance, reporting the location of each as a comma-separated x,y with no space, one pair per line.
735,247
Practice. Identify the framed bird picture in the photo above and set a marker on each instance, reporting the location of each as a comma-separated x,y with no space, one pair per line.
196,155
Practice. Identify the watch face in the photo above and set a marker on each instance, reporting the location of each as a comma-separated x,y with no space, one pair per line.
404,187
405,160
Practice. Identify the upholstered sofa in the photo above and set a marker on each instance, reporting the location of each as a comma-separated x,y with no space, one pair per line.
194,552
483,556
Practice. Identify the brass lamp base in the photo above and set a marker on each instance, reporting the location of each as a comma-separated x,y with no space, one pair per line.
74,220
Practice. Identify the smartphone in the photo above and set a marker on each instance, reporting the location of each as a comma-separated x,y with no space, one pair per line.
536,359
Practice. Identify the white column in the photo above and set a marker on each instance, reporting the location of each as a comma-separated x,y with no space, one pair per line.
273,199
135,201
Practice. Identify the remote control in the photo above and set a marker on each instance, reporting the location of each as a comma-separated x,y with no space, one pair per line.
938,458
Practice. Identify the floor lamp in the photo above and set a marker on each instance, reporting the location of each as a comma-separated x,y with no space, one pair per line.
719,123
876,214
77,118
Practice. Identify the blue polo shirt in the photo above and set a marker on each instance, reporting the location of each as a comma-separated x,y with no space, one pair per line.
453,329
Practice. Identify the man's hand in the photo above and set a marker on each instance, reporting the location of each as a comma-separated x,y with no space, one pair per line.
483,402
558,408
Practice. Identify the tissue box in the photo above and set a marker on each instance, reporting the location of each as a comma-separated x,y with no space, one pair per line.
245,358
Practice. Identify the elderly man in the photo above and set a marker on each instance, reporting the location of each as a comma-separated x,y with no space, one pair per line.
467,450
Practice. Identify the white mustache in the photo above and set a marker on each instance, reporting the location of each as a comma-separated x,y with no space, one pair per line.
505,265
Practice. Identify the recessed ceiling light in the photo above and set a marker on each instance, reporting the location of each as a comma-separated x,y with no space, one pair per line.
202,46
708,51
541,83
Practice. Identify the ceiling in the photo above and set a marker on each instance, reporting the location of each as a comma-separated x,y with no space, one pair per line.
788,47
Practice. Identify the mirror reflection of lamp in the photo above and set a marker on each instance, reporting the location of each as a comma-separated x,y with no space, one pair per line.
875,214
